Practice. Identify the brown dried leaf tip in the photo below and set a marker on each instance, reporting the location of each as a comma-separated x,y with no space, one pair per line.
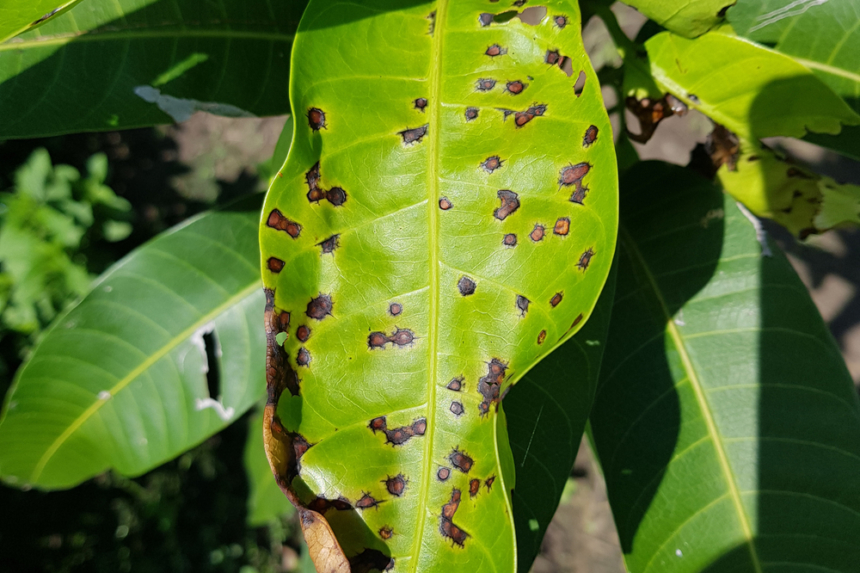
522,304
471,113
510,203
446,521
495,50
443,474
445,204
396,485
537,233
414,135
515,87
456,409
474,487
319,307
329,245
275,265
590,136
316,119
556,299
510,240
420,103
562,227
485,84
466,286
456,384
492,163
585,259
277,221
489,385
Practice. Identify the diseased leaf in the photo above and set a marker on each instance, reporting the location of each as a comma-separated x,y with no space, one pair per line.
726,422
445,218
17,16
120,381
131,63
689,18
266,502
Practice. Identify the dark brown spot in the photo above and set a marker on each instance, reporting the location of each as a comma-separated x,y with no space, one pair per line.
396,485
541,336
489,482
416,134
466,286
367,501
474,487
457,408
313,176
450,508
420,103
419,426
432,18
562,226
490,164
316,119
505,113
510,203
277,221
578,195
573,174
522,304
590,136
378,424
401,435
580,84
485,84
319,307
386,533
456,384
443,474
329,245
303,333
523,117
377,340
489,385
275,265
461,461
510,240
560,21
585,259
552,57
402,337
576,320
303,358
445,204
284,321
395,308
556,299
446,523
336,196
321,504
537,233
515,87
471,113
316,195
485,19
495,50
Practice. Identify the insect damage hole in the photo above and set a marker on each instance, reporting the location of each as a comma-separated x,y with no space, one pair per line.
580,83
211,353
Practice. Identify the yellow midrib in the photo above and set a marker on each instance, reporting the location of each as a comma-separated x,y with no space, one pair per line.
140,369
678,341
432,215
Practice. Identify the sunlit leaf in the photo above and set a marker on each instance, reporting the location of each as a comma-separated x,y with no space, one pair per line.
689,18
17,16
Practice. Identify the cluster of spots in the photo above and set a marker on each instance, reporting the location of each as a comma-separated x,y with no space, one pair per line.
275,264
319,307
510,240
329,245
432,17
413,135
585,259
537,233
485,84
456,384
522,304
400,337
446,520
495,50
401,435
396,485
515,87
471,113
572,175
370,560
562,227
277,221
510,203
279,373
316,119
336,195
321,504
489,385
420,104
492,163
445,203
556,299
523,117
466,286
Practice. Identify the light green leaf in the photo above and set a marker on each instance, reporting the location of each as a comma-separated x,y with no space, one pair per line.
727,427
689,18
393,213
266,501
17,16
120,381
130,63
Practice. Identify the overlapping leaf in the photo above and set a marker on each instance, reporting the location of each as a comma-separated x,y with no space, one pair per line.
130,63
445,218
120,381
689,18
17,16
726,423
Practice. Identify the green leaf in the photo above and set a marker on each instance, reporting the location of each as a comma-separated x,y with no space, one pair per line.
120,381
728,426
266,502
689,18
385,237
131,63
17,16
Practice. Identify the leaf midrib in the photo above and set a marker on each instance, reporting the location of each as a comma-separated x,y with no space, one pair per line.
701,400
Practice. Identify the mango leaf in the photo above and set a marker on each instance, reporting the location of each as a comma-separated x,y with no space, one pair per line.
689,18
131,63
17,16
137,372
265,500
727,427
445,218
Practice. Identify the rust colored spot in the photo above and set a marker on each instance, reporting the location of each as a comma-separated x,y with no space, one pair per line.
562,227
402,337
456,384
445,204
552,57
489,482
284,321
275,265
377,340
446,523
541,336
416,134
471,113
443,474
336,196
466,285
578,196
303,358
313,176
420,103
490,164
485,84
461,461
522,304
515,87
585,259
396,485
316,119
495,50
395,308
523,117
510,203
556,299
367,501
474,487
303,333
590,136
278,222
386,533
316,195
378,424
319,307
573,174
457,408
560,21
419,426
510,240
329,245
450,508
537,233
485,19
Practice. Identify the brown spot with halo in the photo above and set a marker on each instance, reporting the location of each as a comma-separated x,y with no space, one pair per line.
510,203
275,265
419,426
590,136
443,474
495,50
377,340
515,87
456,384
523,117
510,240
562,227
277,221
485,84
573,174
336,196
367,501
319,307
461,460
378,424
457,409
474,487
541,337
402,337
560,21
466,286
446,520
537,233
395,308
556,299
303,358
316,119
492,163
445,204
329,245
396,485
386,533
420,103
414,135
471,113
522,304
585,259
303,332
489,482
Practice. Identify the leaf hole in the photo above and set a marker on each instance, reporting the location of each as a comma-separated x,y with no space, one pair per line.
212,353
580,81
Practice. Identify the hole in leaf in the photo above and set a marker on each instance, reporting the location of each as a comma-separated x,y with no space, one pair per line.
580,83
213,371
567,67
